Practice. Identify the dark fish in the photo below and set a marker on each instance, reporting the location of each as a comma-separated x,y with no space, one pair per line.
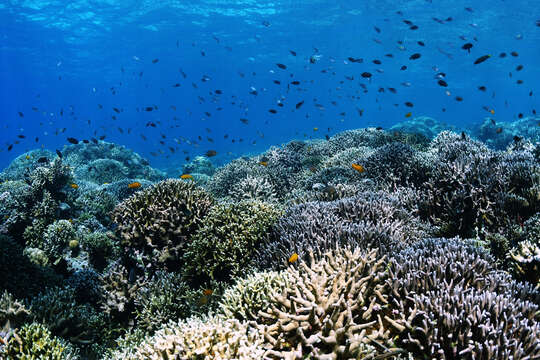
116,110
210,153
403,68
102,137
293,53
176,85
366,75
148,108
244,120
10,147
94,140
481,59
20,114
72,140
421,43
459,98
281,66
392,90
296,82
377,62
514,54
482,88
441,82
519,67
517,138
21,136
409,104
413,27
298,105
467,46
218,92
86,141
377,29
277,82
502,55
414,56
520,115
355,60
58,153
155,61
378,128
272,111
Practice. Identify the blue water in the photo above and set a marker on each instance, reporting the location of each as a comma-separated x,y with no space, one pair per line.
73,57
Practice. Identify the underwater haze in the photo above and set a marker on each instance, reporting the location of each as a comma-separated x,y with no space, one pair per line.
269,180
204,65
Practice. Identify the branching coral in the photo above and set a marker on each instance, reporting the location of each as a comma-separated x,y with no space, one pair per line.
206,339
254,188
370,219
34,341
329,310
12,313
248,296
225,245
58,310
154,225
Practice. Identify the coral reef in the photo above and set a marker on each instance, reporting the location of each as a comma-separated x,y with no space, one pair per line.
225,245
154,225
332,307
34,341
207,338
423,125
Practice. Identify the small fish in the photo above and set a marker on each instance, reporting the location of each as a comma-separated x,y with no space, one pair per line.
20,114
482,88
315,129
186,176
468,47
272,111
58,153
263,163
298,105
293,53
74,186
210,153
281,66
366,75
443,83
293,258
116,110
358,167
244,121
10,147
408,115
134,185
27,157
415,56
208,292
155,61
481,59
409,104
72,140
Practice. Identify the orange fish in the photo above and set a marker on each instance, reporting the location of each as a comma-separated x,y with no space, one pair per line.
134,185
358,168
208,292
492,111
293,258
408,115
186,176
264,163
74,186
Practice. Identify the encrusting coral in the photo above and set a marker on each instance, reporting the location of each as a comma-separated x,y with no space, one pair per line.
154,225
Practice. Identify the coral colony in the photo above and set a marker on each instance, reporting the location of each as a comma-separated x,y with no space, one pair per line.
371,244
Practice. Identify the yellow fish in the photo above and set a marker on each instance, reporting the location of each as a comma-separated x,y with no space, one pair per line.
264,163
74,186
358,168
186,176
27,157
315,128
293,258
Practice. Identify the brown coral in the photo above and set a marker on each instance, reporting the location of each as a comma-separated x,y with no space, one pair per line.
155,224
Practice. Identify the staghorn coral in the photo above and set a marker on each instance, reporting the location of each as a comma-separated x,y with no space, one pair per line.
154,225
431,263
58,310
225,245
254,188
34,341
207,338
457,323
525,261
164,298
12,313
329,310
101,248
248,296
370,219
119,289
56,239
